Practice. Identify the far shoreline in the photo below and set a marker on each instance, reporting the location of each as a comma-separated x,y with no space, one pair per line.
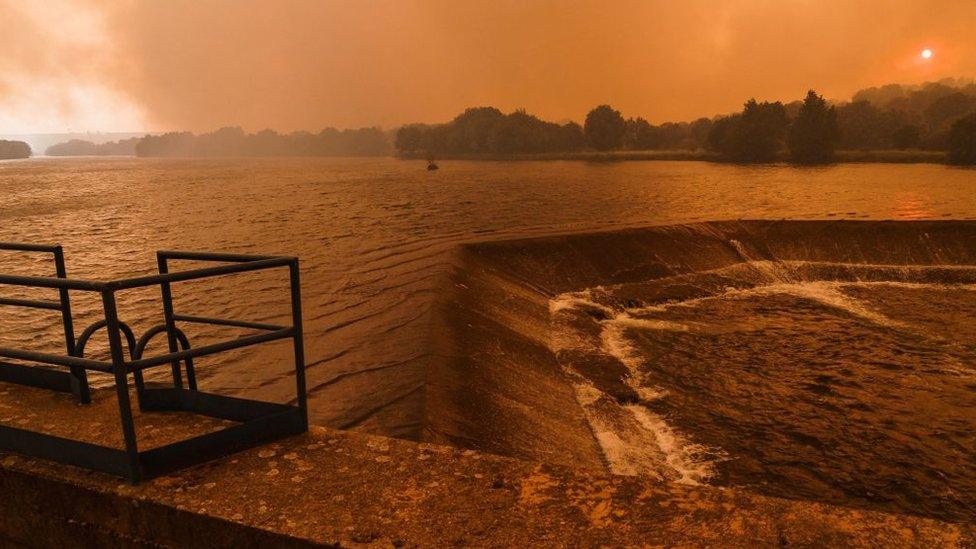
913,156
841,157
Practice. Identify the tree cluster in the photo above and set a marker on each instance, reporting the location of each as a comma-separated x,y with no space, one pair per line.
235,142
754,135
962,141
14,149
905,117
487,130
80,147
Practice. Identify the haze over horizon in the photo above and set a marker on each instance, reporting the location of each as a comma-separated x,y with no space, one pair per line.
297,64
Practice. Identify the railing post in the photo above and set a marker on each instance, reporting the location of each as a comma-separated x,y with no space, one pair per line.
79,377
296,321
167,293
120,371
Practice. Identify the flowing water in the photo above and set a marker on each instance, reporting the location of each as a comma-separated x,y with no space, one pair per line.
835,383
375,235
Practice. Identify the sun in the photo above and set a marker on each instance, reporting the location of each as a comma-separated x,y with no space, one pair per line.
926,54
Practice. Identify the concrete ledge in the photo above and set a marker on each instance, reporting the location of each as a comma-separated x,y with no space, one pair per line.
329,488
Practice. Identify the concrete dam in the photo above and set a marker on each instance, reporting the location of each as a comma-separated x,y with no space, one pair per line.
823,361
734,383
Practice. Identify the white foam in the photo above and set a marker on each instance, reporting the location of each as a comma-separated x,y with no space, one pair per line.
634,440
682,456
627,321
574,300
829,294
825,293
615,343
772,270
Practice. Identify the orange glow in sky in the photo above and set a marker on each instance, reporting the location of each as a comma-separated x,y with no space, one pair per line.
307,64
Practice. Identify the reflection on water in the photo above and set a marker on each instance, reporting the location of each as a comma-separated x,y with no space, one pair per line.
912,206
374,236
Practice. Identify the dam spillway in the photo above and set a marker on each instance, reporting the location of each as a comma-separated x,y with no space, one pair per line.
731,383
823,361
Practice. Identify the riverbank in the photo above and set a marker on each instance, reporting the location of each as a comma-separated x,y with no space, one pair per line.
875,156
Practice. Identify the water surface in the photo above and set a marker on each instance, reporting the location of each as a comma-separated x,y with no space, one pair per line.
374,237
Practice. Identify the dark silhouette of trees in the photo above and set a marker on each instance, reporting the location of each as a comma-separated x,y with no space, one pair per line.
863,126
945,110
476,130
235,142
605,128
719,135
698,132
892,116
80,147
931,108
754,135
570,137
907,136
641,135
14,149
486,130
813,133
962,141
410,138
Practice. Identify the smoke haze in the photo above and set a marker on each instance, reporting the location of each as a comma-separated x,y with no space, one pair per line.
290,64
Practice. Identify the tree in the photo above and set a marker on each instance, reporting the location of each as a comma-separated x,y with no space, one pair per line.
719,134
14,149
410,138
641,135
947,109
813,133
754,135
570,137
474,130
862,126
698,132
962,141
605,128
758,136
906,137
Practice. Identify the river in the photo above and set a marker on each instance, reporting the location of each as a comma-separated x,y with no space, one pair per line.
374,237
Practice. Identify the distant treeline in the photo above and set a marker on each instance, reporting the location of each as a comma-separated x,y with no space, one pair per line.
235,142
80,147
14,149
932,117
807,131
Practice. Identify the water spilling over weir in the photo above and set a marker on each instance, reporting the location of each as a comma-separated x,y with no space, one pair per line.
826,361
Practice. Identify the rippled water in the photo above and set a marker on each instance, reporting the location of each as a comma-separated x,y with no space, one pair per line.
374,236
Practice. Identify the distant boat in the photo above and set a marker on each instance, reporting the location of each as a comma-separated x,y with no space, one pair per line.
431,166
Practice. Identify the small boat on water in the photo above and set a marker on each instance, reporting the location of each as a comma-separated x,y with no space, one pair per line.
431,166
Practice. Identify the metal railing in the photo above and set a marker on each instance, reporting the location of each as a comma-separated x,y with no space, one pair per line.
257,421
75,380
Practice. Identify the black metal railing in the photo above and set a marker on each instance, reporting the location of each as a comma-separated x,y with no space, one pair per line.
76,379
257,421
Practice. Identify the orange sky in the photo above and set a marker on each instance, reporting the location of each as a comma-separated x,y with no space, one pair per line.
302,64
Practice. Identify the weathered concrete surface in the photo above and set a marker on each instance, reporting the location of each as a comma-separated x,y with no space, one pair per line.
335,488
